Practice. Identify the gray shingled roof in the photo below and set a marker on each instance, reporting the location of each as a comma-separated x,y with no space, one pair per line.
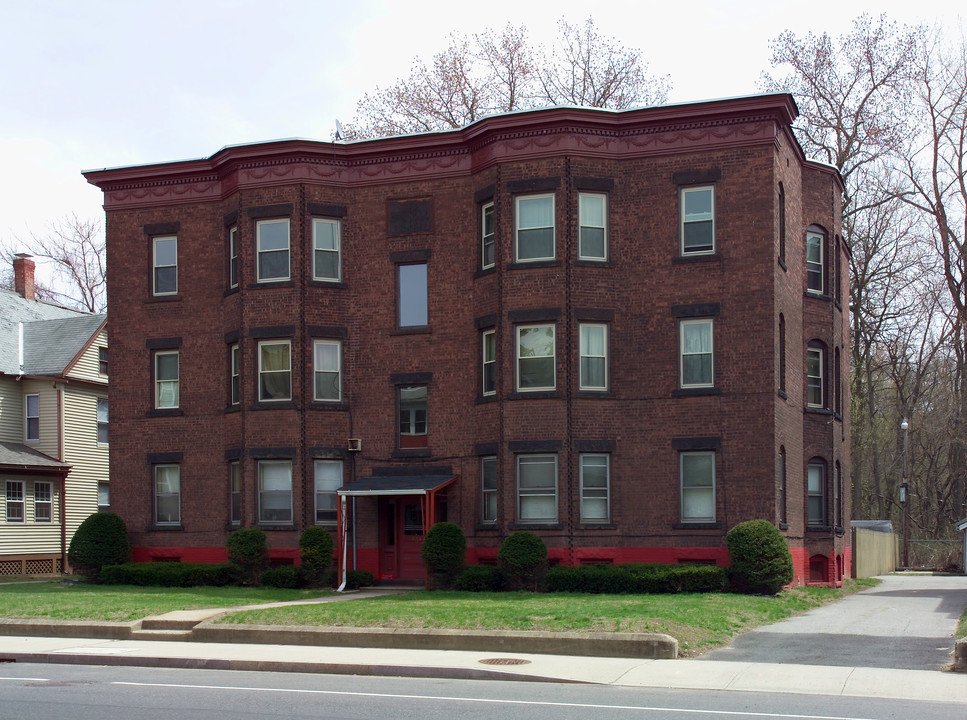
53,335
15,455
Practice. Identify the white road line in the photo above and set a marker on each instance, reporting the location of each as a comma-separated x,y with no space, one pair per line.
24,679
445,698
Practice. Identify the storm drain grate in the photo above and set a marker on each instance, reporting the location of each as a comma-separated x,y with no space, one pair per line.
505,661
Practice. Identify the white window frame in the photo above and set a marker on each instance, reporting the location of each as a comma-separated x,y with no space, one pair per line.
488,362
519,228
31,417
318,371
260,252
103,421
263,395
168,493
536,491
161,384
584,222
592,493
488,489
336,225
815,382
233,256
156,266
682,354
102,361
816,494
409,419
283,515
103,496
488,237
235,374
703,217
235,493
43,502
416,303
16,497
328,477
519,358
815,267
584,354
694,489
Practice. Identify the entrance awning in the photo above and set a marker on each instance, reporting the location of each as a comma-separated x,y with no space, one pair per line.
397,485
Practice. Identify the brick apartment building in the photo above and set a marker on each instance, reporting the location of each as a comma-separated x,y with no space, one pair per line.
625,331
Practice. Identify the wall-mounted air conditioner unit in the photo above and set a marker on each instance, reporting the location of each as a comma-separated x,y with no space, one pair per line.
355,444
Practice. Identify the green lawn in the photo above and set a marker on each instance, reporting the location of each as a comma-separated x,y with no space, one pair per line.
698,622
121,603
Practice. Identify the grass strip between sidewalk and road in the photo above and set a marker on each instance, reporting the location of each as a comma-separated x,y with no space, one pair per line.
698,621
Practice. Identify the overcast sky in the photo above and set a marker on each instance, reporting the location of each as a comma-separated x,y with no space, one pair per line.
88,84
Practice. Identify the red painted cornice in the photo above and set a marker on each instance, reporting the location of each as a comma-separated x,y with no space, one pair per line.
511,137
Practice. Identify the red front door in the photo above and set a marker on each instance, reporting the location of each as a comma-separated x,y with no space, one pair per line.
401,537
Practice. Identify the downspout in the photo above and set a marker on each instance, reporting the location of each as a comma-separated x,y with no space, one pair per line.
63,523
342,540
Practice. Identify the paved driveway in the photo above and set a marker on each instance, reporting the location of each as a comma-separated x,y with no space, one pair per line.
907,622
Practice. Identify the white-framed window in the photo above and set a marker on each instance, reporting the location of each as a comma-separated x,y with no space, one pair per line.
166,379
326,249
488,343
536,359
328,474
412,403
235,374
594,356
233,257
698,220
696,353
43,502
593,222
413,296
326,364
167,494
275,370
103,496
816,493
164,254
15,501
32,417
537,488
103,419
488,489
275,491
595,488
272,243
235,492
535,228
815,395
488,248
697,470
815,263
102,360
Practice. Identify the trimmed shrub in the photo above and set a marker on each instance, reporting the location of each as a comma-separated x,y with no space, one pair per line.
481,578
315,551
524,557
168,574
760,561
284,576
636,578
444,552
248,552
100,541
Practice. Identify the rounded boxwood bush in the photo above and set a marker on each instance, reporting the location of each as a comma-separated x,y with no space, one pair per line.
315,551
248,552
444,552
523,555
101,540
760,561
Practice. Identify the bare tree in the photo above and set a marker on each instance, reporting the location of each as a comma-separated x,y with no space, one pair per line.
74,247
492,72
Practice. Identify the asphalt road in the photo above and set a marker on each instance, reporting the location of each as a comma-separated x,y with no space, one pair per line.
906,623
55,692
